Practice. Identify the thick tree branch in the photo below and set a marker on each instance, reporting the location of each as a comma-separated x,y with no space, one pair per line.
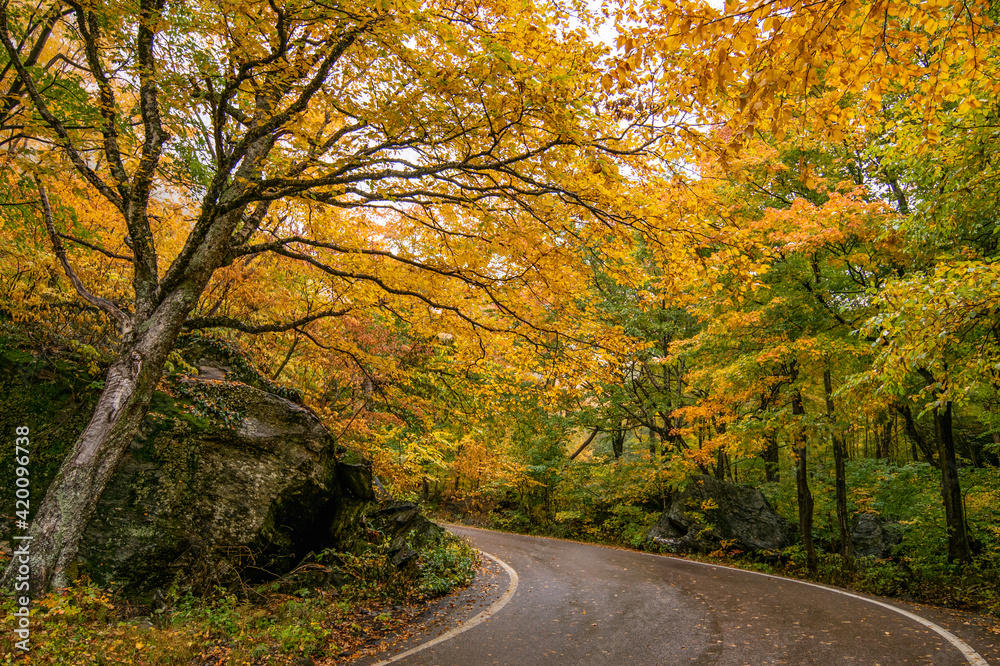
238,325
136,212
90,30
277,120
251,224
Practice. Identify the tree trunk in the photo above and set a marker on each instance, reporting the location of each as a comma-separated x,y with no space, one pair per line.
618,443
840,475
772,463
805,499
951,493
589,439
885,440
915,437
72,497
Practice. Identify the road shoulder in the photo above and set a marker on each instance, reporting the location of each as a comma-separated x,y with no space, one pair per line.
441,615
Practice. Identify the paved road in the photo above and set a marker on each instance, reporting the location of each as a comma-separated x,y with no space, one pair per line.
582,604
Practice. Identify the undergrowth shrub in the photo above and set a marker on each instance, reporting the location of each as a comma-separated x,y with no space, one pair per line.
445,564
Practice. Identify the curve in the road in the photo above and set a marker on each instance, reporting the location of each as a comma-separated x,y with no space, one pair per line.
485,615
663,612
970,654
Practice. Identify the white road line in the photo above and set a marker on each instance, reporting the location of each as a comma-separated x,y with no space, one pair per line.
967,651
482,617
970,654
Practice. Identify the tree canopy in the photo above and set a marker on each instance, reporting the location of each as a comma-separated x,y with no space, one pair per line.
477,238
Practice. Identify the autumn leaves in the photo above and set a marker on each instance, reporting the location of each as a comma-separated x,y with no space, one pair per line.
432,207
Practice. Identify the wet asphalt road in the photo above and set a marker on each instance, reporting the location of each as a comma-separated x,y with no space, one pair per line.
583,604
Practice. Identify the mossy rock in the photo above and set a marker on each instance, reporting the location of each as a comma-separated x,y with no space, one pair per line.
198,500
221,360
202,504
709,513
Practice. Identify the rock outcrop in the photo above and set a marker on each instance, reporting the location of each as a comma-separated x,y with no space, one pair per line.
710,514
231,479
205,502
874,536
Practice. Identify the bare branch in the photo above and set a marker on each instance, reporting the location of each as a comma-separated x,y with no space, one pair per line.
330,270
236,324
102,303
97,248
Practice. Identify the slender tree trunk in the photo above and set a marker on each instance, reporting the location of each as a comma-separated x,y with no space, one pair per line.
772,462
910,426
958,538
805,499
288,357
885,440
618,443
840,475
589,439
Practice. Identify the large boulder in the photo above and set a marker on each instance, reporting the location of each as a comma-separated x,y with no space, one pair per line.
241,493
231,479
874,536
710,514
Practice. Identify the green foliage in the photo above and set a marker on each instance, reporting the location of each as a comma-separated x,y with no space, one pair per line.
442,564
205,404
221,612
196,344
445,564
627,525
592,501
900,493
84,624
297,627
369,571
511,520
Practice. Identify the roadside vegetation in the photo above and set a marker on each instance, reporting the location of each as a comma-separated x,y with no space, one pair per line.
596,501
527,274
267,625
